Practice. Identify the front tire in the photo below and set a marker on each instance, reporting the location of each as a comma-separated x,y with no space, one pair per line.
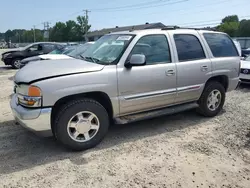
212,99
81,124
16,63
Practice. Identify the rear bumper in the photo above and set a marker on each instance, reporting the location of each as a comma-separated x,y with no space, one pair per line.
36,120
245,78
233,83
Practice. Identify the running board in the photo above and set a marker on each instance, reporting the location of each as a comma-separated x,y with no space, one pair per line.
155,113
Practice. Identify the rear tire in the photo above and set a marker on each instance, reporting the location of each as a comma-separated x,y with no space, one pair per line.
16,63
72,124
212,99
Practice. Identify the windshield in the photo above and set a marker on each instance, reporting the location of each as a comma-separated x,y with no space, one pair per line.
57,51
107,49
247,58
79,50
68,50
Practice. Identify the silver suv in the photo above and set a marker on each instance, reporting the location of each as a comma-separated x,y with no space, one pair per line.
126,77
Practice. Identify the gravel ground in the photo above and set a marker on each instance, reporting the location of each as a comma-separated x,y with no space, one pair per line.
182,150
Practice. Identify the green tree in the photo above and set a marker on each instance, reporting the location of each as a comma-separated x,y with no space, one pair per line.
71,31
244,28
57,32
83,22
231,18
230,25
231,28
8,35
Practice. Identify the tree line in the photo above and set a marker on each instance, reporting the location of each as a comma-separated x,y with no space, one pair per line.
69,31
74,30
235,27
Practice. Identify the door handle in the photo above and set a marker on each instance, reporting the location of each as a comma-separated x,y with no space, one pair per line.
170,72
204,68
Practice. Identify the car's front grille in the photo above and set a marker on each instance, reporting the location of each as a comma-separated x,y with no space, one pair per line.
245,71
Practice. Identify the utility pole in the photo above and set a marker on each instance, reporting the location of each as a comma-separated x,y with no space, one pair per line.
86,23
34,33
46,29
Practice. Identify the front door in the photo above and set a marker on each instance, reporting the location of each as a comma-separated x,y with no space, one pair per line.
152,85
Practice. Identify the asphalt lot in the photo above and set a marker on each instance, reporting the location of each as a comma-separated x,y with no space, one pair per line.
182,150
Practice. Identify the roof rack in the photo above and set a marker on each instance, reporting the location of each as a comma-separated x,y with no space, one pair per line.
177,27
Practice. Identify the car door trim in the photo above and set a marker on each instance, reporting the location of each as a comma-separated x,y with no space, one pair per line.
150,94
192,87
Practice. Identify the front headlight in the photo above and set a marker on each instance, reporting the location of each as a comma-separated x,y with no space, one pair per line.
29,96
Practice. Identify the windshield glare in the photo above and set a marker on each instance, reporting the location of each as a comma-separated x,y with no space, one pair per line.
79,50
108,48
247,58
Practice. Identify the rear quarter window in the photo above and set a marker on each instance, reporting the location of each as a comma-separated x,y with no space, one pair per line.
221,45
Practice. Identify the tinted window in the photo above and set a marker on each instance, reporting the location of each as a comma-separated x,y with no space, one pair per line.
49,47
33,48
221,45
188,47
154,47
36,47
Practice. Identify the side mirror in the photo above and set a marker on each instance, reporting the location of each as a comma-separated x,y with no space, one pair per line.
136,60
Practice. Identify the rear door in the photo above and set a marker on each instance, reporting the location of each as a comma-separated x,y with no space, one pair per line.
194,67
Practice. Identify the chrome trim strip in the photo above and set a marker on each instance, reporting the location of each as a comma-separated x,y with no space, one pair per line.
150,94
193,87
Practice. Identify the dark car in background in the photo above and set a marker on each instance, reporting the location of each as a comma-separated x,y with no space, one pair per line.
60,53
67,52
14,57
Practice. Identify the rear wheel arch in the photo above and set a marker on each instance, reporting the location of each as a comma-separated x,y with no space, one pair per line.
222,79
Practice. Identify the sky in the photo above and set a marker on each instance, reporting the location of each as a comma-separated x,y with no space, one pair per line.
16,14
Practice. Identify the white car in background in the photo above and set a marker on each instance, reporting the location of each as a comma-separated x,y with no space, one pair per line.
245,71
68,53
238,46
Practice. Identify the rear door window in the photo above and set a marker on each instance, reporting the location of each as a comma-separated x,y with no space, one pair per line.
188,47
221,45
49,47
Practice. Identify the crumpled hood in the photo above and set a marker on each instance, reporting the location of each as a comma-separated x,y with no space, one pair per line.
245,64
54,56
45,57
53,68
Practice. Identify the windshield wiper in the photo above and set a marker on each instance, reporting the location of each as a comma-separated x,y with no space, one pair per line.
92,59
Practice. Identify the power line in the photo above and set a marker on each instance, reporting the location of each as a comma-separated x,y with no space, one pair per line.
133,5
143,7
215,20
197,6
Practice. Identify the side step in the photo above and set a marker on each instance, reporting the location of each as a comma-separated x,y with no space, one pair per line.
155,113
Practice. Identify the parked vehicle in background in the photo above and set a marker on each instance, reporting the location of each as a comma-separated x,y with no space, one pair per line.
67,52
76,53
245,52
55,54
238,46
245,71
14,57
152,73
